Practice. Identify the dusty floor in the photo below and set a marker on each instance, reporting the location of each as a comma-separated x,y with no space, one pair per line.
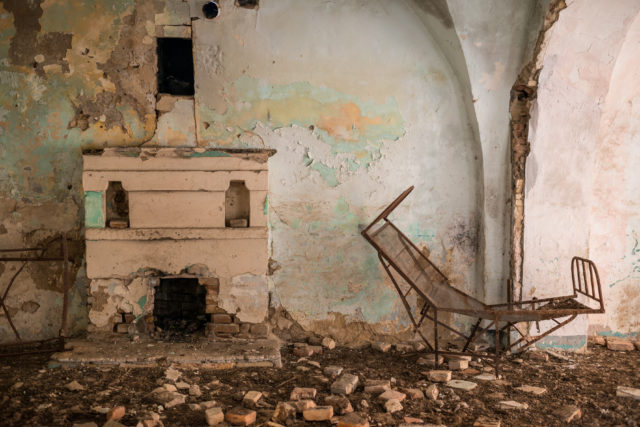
587,381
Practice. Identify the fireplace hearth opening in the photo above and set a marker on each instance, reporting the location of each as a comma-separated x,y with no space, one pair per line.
179,308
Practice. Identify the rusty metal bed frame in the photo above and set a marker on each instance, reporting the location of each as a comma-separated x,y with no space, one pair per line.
25,256
414,272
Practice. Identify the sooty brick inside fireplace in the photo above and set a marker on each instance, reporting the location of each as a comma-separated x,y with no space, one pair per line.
180,307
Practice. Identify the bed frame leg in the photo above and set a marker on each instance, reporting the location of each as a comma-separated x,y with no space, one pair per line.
435,336
497,354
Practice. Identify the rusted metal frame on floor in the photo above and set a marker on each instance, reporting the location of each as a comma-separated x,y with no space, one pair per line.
39,257
403,298
424,314
532,340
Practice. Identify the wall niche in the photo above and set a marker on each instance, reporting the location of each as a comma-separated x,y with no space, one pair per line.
237,205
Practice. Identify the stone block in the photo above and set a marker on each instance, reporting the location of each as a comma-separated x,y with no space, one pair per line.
432,392
116,413
377,386
392,394
392,405
346,384
283,412
352,420
328,343
251,398
259,329
598,340
568,413
381,346
122,328
429,360
458,364
511,404
319,413
333,371
226,328
619,344
221,318
414,393
302,405
214,416
238,223
300,393
341,404
240,416
303,351
439,376
404,348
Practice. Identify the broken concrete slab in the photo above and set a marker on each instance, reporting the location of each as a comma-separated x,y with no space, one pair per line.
461,385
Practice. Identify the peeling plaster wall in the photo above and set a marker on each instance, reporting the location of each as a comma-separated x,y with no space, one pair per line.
360,98
581,178
73,74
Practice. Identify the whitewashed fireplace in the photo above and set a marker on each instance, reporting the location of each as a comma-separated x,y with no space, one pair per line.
159,214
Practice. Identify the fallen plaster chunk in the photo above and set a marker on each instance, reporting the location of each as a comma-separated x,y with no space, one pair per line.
532,389
485,377
392,405
557,355
172,374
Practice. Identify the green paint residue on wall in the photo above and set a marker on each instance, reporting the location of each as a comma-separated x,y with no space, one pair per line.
93,209
347,123
266,205
210,153
328,174
142,301
416,232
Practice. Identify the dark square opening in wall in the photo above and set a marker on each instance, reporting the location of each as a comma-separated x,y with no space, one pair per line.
175,66
179,306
